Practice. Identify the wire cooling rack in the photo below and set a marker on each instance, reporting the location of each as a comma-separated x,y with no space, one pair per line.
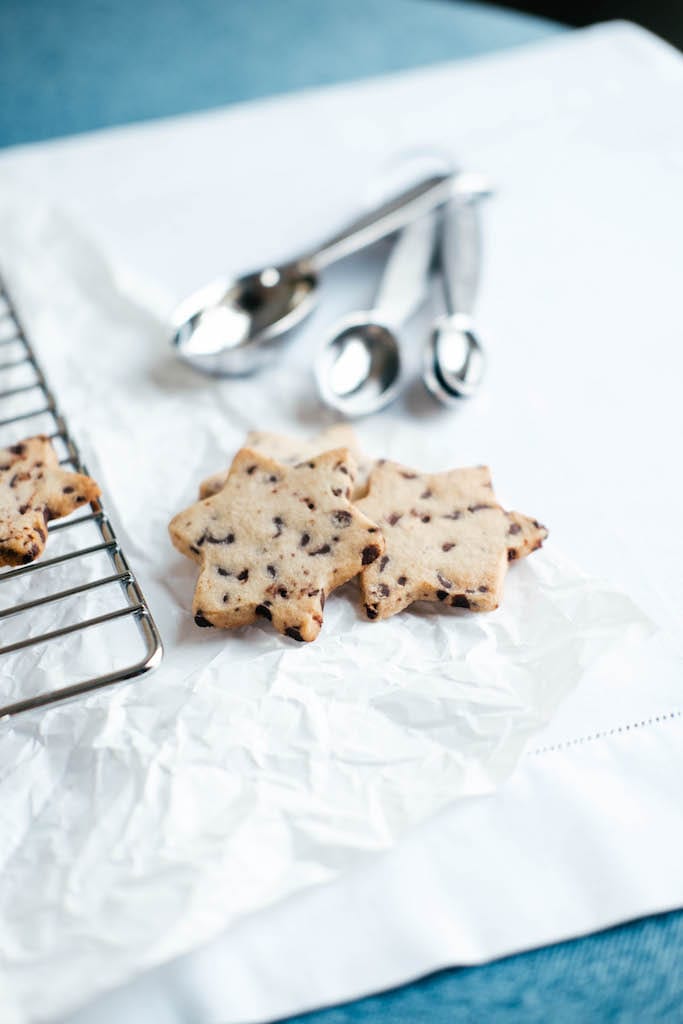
28,407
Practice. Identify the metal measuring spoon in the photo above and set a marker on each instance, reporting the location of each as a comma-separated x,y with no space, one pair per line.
358,369
228,329
454,359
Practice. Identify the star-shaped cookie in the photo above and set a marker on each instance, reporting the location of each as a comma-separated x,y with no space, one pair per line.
291,450
33,490
274,541
447,539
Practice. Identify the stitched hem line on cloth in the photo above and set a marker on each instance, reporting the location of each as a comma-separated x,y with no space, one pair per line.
605,733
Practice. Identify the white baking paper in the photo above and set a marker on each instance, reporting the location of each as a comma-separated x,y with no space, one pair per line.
139,822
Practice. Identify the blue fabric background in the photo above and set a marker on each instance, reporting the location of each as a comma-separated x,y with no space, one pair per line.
72,65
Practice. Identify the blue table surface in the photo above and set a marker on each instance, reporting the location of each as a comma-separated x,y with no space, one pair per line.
69,66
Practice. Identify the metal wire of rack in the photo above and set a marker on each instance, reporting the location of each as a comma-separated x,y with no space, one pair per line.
17,355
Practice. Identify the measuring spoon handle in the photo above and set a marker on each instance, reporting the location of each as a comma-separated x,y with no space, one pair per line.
405,279
395,214
461,252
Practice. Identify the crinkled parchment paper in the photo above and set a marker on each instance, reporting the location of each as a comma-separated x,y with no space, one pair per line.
138,822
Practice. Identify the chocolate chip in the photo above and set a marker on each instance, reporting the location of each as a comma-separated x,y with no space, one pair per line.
426,519
372,529
336,491
210,539
370,553
442,594
23,509
201,621
343,469
282,591
243,576
453,515
426,494
460,601
221,571
444,582
393,518
384,590
226,598
278,523
383,562
272,479
478,508
324,550
311,504
295,633
447,546
371,612
512,554
250,470
305,537
194,549
514,528
17,449
483,590
263,611
79,499
341,517
402,580
409,476
272,571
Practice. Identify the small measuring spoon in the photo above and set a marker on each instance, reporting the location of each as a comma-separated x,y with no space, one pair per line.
454,359
358,369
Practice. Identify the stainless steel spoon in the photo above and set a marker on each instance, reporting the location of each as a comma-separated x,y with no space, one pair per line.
358,369
232,329
454,359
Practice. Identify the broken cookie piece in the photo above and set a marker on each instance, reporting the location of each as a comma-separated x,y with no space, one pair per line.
275,541
33,490
447,539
